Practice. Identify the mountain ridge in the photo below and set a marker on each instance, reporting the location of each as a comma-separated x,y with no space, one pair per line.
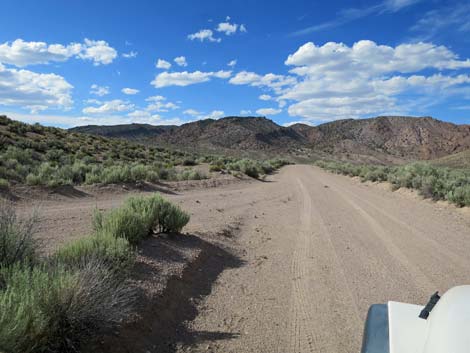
383,139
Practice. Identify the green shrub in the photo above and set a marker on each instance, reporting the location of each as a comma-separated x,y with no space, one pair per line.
460,195
158,214
189,174
50,175
115,252
189,162
148,208
246,166
124,223
16,237
171,218
52,309
215,168
23,156
32,179
25,323
4,184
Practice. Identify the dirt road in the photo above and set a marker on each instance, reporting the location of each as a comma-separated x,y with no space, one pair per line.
321,249
317,249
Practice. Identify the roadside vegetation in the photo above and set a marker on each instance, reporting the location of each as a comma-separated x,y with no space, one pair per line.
438,183
46,156
252,168
56,303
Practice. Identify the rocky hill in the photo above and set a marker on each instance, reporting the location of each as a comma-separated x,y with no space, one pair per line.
127,131
386,139
253,133
399,137
233,135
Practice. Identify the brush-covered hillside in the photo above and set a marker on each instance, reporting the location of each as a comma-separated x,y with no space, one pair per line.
387,139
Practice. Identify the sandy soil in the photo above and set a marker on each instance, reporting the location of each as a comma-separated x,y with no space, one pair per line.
288,265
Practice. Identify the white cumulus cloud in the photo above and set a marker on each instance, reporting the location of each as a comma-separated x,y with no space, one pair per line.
227,28
161,106
130,55
268,111
204,35
275,82
186,78
130,91
163,64
230,28
155,99
181,61
34,91
232,63
265,97
99,90
97,51
215,114
21,53
192,112
336,81
367,56
109,107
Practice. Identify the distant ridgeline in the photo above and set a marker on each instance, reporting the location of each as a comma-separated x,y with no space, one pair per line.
386,139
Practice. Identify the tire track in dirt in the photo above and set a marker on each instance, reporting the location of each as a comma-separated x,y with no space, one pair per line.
410,242
316,263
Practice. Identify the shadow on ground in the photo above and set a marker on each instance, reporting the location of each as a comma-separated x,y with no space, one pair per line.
161,327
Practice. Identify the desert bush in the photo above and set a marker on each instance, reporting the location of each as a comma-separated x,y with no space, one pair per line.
4,184
246,166
53,309
460,195
190,174
122,173
139,172
124,223
215,168
24,156
158,214
114,252
189,162
278,163
171,218
50,175
148,208
16,237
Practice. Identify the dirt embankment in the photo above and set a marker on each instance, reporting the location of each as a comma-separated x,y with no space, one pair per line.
286,265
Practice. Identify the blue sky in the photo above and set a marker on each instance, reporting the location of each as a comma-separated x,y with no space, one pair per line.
67,63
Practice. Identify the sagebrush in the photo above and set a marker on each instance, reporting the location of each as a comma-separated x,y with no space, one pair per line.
438,183
17,244
56,303
53,309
